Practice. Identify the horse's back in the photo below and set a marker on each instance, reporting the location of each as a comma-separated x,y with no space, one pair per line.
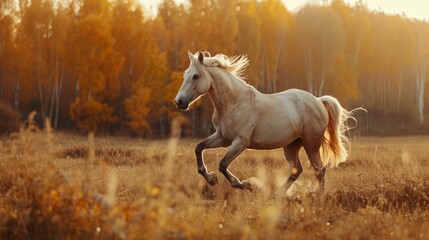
295,94
278,120
287,115
313,113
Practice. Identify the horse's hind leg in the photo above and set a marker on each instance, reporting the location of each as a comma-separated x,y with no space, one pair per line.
214,141
319,170
292,156
313,151
236,148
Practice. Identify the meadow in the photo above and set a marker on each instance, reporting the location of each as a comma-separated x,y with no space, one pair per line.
68,186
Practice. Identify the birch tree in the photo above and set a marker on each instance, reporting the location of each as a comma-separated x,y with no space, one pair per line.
7,48
421,32
275,21
322,36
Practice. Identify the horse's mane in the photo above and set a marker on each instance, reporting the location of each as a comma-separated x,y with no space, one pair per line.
236,65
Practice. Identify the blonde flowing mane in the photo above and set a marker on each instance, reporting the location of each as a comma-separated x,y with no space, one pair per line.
236,65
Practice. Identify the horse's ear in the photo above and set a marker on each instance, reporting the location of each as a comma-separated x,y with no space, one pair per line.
191,56
200,57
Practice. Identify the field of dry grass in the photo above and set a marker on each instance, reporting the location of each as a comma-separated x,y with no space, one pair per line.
62,186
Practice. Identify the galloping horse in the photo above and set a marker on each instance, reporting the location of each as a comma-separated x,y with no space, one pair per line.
246,118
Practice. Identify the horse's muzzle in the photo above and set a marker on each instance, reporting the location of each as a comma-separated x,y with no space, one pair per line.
182,105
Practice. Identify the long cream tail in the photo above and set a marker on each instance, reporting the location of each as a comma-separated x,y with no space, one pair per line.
336,145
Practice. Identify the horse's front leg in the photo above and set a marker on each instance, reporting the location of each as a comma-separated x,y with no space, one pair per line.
214,141
236,148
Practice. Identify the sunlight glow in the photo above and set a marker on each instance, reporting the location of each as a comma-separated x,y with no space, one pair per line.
412,9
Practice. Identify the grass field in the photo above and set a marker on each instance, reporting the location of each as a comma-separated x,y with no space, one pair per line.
62,186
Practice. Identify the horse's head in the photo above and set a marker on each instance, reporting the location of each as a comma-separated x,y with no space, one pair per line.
196,82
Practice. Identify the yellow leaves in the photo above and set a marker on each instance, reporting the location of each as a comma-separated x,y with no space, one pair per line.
90,114
153,190
343,80
94,7
105,50
92,44
137,109
13,213
97,65
171,89
148,91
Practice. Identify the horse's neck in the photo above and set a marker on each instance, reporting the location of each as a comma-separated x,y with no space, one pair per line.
226,91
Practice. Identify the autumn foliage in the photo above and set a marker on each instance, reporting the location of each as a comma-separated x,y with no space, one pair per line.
90,114
109,64
137,110
9,119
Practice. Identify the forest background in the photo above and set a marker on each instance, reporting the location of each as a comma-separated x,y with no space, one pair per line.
107,66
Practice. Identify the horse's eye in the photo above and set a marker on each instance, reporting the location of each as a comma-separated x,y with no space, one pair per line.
196,76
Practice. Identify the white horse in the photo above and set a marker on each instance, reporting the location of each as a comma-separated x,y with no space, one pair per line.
246,118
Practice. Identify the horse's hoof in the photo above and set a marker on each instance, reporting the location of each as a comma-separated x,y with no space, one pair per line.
212,179
208,193
246,185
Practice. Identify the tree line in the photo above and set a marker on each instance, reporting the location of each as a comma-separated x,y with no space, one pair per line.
107,65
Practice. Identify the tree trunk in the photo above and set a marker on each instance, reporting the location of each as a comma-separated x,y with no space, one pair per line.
2,37
39,78
357,50
322,80
77,88
1,86
51,106
309,70
161,124
262,75
16,97
278,53
194,127
421,78
55,86
269,88
57,102
368,91
120,104
42,102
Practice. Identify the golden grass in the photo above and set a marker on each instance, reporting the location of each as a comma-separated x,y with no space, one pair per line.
55,188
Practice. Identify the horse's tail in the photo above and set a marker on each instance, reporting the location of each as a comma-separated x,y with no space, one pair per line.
336,144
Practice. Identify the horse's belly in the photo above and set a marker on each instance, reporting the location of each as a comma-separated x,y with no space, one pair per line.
276,127
271,137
